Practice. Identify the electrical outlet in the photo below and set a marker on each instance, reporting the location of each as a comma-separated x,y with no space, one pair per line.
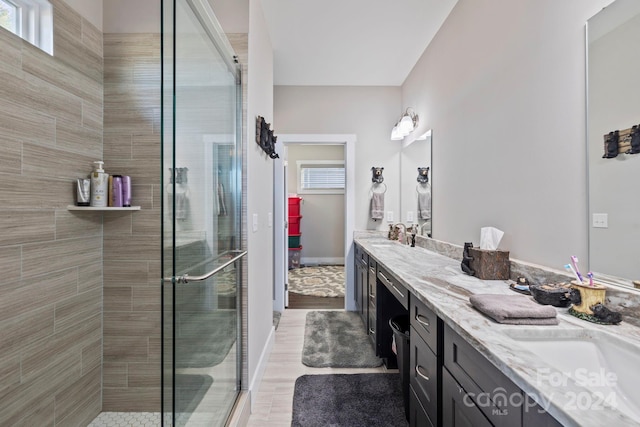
410,217
389,216
270,216
600,220
255,222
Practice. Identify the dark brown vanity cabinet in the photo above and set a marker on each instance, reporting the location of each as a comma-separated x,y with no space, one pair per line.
425,364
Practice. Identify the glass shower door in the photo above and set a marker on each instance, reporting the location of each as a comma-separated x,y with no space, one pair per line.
201,192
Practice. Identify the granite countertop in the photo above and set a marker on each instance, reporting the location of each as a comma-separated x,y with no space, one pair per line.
438,281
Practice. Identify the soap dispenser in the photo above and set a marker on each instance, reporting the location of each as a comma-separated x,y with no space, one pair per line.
99,185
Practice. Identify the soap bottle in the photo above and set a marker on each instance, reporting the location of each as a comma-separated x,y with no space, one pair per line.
99,185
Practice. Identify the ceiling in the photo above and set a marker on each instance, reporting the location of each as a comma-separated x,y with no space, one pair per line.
350,42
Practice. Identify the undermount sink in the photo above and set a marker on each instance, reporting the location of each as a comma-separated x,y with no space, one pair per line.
381,245
599,361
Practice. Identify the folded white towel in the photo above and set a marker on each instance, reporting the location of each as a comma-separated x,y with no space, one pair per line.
377,206
424,204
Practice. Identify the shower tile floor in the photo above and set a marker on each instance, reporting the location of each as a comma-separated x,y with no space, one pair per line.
206,414
127,419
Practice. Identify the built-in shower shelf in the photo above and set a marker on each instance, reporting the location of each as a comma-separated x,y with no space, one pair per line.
93,208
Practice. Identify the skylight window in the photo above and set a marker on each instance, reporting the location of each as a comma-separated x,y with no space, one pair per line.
30,19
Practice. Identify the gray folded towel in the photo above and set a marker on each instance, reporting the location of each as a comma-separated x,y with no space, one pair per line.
514,309
377,206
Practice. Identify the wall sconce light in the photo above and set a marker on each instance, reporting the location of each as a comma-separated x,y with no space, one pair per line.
405,125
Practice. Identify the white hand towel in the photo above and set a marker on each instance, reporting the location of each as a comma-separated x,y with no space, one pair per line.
424,204
377,206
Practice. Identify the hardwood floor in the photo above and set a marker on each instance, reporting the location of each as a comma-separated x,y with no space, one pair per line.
297,301
272,403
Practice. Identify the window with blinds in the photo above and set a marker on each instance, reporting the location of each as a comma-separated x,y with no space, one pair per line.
321,177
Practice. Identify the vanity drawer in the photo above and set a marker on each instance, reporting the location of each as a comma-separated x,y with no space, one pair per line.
372,284
417,415
372,326
361,256
396,289
424,375
425,323
481,379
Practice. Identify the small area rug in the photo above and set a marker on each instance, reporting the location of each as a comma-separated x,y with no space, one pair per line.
337,339
317,281
348,400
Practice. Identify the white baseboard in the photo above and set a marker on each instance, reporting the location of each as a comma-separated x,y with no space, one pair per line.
321,261
254,387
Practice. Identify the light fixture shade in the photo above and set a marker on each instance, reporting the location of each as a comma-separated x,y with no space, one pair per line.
395,134
406,125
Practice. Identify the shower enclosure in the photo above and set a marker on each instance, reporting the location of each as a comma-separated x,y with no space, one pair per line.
201,219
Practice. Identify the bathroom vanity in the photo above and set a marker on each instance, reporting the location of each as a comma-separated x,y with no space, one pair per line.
467,370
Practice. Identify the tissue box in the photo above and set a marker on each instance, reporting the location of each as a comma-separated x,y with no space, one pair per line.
490,265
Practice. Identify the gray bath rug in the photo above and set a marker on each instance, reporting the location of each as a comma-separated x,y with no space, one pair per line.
203,339
276,319
190,389
317,281
348,400
337,339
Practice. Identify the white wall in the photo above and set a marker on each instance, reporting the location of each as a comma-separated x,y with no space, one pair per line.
259,194
503,87
370,113
91,10
322,225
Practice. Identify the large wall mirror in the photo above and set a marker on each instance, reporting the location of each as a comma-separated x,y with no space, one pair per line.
415,183
613,79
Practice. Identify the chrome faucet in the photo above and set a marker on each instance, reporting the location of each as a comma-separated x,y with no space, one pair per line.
420,228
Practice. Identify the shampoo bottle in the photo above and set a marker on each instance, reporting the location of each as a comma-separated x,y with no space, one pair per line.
99,186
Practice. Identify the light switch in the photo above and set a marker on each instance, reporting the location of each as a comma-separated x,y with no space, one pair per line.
600,220
410,217
270,216
255,222
389,216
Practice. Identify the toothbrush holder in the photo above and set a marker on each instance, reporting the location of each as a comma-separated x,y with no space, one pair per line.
590,296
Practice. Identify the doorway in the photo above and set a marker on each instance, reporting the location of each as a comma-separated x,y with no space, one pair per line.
345,144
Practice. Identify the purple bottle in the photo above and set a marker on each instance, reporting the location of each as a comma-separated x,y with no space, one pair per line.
117,191
126,191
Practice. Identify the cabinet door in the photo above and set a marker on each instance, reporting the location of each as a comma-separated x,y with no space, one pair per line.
358,286
417,415
458,410
482,380
535,416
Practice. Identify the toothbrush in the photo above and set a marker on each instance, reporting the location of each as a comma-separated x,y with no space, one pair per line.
570,269
574,262
590,276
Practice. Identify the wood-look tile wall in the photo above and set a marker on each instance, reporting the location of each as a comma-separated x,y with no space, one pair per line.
132,310
51,258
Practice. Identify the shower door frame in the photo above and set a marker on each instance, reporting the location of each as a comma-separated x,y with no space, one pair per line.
203,12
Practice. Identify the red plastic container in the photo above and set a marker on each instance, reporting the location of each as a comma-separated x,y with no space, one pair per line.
294,206
294,225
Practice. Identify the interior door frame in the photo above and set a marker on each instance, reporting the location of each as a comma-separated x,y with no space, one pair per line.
280,198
